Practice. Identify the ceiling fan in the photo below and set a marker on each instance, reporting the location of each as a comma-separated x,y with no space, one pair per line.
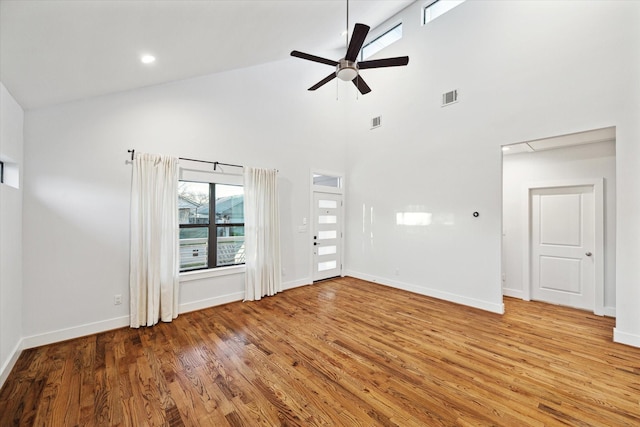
348,68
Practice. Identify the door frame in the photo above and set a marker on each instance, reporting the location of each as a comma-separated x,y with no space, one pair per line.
598,251
325,189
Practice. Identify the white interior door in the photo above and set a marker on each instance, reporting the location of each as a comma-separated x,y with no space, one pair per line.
563,246
327,235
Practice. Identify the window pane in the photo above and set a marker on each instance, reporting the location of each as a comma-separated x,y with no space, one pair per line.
229,204
327,180
375,46
230,245
438,8
193,202
193,248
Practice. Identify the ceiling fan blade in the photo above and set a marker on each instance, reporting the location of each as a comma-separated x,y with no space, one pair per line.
323,81
313,58
360,32
361,85
386,62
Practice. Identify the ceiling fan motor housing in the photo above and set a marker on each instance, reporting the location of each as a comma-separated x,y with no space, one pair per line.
347,70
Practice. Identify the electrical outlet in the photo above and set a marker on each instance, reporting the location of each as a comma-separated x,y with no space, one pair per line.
117,299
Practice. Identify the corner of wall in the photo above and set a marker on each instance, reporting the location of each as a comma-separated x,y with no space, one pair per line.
11,287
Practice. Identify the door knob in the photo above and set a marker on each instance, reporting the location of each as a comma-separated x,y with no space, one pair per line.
588,254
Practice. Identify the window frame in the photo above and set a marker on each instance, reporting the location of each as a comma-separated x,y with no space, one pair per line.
383,34
431,4
212,227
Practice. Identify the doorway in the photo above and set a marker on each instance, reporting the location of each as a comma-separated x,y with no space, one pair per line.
327,212
560,175
327,235
564,245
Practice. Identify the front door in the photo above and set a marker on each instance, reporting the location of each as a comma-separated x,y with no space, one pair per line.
327,235
563,245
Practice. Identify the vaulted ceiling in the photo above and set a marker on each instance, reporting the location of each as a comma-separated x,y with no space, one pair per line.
54,51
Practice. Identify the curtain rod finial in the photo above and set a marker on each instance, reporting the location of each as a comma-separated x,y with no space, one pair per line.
133,152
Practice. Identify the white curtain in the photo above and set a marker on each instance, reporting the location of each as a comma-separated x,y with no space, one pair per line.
154,255
261,233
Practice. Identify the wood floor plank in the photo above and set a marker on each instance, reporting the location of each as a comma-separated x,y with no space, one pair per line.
343,352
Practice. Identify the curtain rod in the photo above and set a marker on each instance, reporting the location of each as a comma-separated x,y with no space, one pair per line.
215,164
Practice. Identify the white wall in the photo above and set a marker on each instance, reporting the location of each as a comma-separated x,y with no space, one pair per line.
11,142
77,183
579,162
524,71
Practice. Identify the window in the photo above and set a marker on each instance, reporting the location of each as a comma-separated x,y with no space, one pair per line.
379,43
437,8
327,180
211,220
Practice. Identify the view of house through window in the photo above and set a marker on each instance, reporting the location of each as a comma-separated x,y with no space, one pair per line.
211,220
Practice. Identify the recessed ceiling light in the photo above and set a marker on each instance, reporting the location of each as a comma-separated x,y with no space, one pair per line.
147,59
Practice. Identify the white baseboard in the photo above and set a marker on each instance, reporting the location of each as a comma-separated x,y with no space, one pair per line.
626,338
75,332
120,322
296,283
11,362
518,293
210,302
458,299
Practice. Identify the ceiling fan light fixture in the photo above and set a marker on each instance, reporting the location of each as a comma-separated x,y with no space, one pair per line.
347,70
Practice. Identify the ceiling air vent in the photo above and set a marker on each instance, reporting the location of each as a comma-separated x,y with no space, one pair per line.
449,97
376,122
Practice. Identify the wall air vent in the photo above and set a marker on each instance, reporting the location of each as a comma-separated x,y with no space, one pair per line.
449,97
376,122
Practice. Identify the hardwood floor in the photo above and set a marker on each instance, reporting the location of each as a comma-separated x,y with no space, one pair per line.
340,353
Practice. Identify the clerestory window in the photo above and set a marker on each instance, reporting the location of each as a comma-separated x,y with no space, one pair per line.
380,42
438,8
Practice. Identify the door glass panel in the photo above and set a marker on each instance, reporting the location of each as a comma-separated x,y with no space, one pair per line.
326,250
328,234
330,204
327,265
327,219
